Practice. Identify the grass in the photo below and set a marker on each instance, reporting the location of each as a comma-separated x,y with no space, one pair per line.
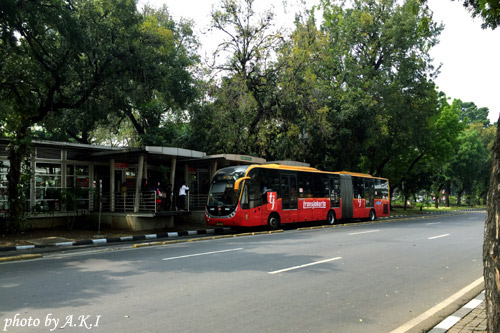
416,210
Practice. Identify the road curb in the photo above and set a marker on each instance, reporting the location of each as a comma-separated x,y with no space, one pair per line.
20,257
458,315
109,240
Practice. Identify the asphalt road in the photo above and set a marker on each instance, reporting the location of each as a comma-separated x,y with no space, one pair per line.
354,278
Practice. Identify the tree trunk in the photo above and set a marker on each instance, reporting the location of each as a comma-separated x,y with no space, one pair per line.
459,198
491,247
447,195
18,148
436,197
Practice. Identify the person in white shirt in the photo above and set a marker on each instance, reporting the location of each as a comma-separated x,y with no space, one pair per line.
182,195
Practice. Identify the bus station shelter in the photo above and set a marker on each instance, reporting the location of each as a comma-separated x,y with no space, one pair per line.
115,185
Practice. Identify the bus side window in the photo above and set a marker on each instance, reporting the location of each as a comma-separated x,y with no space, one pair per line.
273,182
381,189
244,198
253,193
255,188
305,184
385,189
369,192
321,186
358,187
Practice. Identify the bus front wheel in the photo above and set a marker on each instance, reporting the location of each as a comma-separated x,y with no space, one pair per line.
330,218
273,222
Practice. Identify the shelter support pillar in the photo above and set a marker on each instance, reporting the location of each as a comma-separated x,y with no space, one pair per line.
212,169
138,183
112,182
173,164
186,174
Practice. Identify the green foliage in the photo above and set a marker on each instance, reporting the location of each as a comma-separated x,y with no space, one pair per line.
471,114
489,10
243,86
72,66
351,90
148,88
381,69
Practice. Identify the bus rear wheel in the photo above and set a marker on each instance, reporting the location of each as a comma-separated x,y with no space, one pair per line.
330,217
273,222
372,216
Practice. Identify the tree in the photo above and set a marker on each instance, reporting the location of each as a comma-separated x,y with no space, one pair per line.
380,71
301,129
471,114
55,56
489,10
491,246
244,81
487,136
160,85
465,166
148,97
74,66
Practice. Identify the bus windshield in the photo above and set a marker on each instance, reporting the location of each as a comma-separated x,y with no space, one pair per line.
222,191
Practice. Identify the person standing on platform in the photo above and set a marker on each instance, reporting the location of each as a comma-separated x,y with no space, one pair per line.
159,196
182,195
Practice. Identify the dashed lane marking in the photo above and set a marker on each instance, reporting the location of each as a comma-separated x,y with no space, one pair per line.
362,232
202,254
305,265
440,236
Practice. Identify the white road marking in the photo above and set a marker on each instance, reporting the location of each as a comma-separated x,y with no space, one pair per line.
432,311
440,236
362,232
202,254
433,223
305,265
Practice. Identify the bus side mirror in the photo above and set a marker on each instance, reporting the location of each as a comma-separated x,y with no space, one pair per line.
238,182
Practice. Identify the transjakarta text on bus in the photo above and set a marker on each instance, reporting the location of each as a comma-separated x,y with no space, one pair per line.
272,194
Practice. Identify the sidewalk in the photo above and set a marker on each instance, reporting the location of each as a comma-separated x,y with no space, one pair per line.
470,318
75,238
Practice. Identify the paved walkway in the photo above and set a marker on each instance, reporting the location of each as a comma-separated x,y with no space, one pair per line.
470,318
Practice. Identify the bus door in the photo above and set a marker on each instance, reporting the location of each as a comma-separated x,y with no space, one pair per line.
346,195
334,191
288,185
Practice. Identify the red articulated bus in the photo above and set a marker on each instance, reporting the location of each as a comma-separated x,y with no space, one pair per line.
273,194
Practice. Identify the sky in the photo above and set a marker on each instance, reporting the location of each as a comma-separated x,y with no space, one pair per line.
469,55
